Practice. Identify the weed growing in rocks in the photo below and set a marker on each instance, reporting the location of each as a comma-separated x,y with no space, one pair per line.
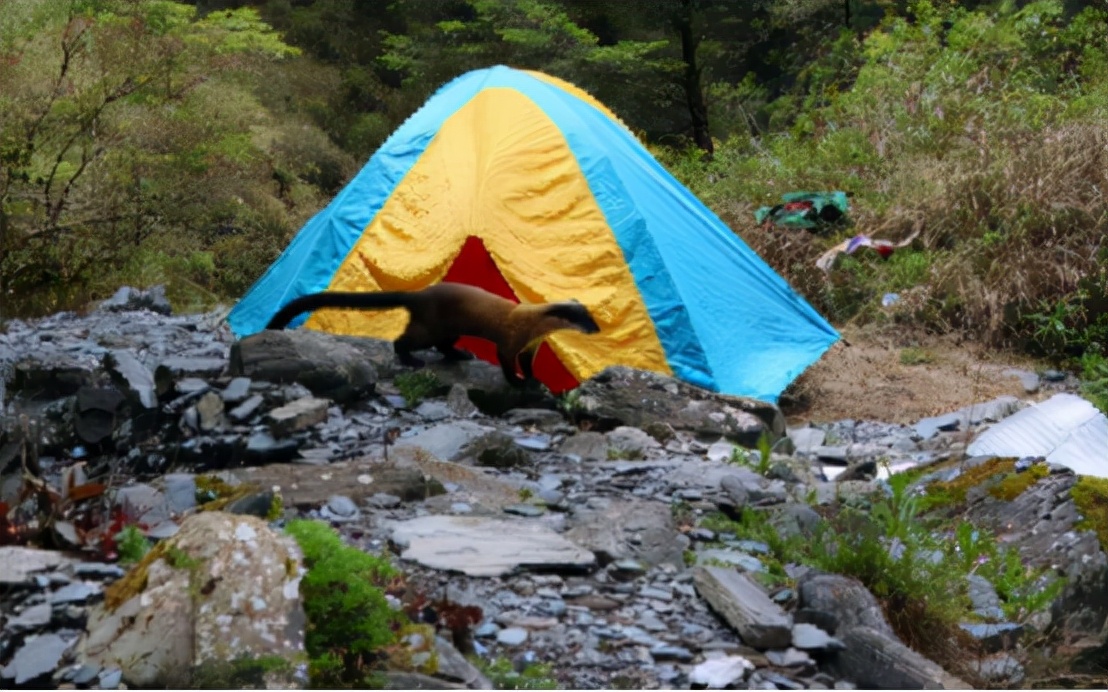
533,676
417,385
350,623
132,544
1091,496
917,570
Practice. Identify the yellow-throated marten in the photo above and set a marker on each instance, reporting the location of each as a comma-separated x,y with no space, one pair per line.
442,313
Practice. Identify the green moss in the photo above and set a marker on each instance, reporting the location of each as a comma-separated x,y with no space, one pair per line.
276,508
615,454
210,487
179,559
131,584
1091,496
1014,484
240,673
954,491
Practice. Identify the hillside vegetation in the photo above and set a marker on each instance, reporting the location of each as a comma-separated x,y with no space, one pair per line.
185,143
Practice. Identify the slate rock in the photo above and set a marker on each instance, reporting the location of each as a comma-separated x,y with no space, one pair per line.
236,391
634,529
38,657
478,546
721,673
297,415
18,565
844,601
877,660
811,638
512,636
130,375
98,413
449,441
175,368
624,396
329,366
745,606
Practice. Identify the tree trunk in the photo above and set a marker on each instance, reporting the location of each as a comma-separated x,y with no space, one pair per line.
694,96
846,13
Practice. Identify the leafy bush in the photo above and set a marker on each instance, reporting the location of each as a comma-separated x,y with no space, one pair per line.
416,385
350,623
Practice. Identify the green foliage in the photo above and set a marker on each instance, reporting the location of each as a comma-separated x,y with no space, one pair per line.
1094,376
416,385
760,459
152,154
350,624
1091,496
533,676
132,544
916,569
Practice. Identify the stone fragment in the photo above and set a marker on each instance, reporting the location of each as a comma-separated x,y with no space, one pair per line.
485,547
38,657
877,660
720,673
745,606
130,375
300,414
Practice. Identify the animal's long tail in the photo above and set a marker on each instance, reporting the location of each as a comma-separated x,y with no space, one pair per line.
339,299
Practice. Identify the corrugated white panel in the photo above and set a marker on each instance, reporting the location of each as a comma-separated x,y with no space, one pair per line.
1065,429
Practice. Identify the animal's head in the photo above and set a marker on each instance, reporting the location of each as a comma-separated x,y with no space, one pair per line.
572,315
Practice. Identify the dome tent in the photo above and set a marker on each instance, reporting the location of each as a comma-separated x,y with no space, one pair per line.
525,185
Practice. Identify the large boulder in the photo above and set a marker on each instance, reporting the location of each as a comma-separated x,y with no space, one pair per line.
224,588
330,367
625,396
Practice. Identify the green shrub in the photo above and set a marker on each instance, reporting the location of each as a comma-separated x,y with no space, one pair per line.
504,676
131,544
416,385
350,623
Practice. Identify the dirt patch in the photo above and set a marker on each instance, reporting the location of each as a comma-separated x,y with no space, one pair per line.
900,377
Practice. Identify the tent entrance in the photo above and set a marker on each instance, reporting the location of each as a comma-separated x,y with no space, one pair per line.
475,266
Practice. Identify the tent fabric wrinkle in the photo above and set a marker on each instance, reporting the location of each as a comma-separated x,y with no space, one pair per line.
527,186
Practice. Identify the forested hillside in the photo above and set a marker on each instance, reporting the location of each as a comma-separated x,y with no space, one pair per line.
157,141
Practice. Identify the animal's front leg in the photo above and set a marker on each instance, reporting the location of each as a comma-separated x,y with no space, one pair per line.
508,367
527,365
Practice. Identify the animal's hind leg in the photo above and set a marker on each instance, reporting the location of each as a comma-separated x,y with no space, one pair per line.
404,347
451,352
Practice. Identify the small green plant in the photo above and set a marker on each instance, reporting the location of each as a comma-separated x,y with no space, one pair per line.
739,457
570,404
1094,379
504,676
132,544
417,385
913,355
350,624
526,494
1091,497
617,454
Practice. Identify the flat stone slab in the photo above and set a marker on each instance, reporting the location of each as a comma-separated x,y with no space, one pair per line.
18,564
485,547
760,622
297,415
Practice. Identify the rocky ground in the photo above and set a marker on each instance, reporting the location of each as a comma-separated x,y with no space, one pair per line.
574,526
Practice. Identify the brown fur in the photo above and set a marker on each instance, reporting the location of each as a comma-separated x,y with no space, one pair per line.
442,313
